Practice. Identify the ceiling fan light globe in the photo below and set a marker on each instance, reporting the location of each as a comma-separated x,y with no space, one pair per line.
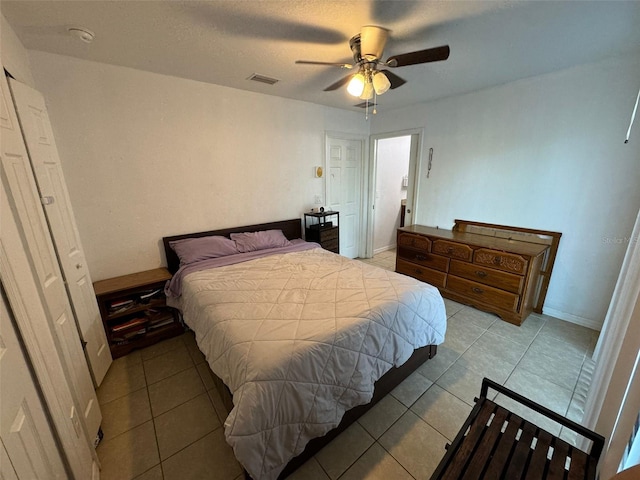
380,83
367,91
356,85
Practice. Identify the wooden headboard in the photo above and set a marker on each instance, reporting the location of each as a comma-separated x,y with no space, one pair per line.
292,229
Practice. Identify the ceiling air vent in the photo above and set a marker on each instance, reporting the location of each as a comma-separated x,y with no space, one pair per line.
364,105
263,79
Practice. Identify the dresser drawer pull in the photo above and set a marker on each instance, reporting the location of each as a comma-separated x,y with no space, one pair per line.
477,290
418,271
497,260
450,250
480,273
421,257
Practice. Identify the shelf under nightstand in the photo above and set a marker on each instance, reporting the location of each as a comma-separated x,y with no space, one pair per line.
134,310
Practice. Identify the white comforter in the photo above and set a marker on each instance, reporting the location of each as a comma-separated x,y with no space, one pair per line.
299,338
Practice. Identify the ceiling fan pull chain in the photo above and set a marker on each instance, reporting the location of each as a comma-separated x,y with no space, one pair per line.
633,117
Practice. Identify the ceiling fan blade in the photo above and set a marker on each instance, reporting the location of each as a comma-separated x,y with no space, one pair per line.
339,83
391,12
311,62
225,16
394,79
421,56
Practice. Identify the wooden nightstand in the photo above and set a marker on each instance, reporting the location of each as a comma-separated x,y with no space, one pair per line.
134,310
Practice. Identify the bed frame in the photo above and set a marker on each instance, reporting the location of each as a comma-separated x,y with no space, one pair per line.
292,229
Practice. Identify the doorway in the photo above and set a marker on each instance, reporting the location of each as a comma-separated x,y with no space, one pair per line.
393,180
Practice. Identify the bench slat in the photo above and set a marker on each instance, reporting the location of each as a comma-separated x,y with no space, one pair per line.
467,447
508,443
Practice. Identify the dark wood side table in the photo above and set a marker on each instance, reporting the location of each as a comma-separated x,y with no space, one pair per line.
323,228
134,310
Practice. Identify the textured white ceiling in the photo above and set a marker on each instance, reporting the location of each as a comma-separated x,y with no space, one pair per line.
225,41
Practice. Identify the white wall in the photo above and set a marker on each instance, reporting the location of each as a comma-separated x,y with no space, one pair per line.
545,152
148,155
15,58
392,163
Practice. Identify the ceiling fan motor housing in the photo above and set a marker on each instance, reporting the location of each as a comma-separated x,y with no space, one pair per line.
373,40
354,44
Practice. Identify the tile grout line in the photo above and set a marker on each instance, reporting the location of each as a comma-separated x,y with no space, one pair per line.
364,453
208,397
153,418
525,352
397,420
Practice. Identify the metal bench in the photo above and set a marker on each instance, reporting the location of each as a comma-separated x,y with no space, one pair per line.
495,443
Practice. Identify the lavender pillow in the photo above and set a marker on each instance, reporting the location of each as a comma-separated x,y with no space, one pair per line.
192,250
251,241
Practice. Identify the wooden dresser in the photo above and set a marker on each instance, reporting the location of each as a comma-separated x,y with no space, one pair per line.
502,270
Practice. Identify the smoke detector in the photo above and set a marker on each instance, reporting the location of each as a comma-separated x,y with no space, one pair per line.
82,33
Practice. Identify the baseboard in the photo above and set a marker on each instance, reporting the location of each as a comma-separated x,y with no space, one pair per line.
384,249
569,317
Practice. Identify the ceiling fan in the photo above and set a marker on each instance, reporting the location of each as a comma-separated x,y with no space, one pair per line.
367,47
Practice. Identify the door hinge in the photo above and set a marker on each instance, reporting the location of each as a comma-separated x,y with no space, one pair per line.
47,200
84,345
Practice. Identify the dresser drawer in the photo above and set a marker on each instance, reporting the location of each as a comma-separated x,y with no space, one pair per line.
414,241
452,249
433,277
328,234
487,276
427,259
330,244
483,293
508,262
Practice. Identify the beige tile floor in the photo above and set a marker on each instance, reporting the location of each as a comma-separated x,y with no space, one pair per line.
162,417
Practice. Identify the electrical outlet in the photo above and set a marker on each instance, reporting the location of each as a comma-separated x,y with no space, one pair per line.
318,199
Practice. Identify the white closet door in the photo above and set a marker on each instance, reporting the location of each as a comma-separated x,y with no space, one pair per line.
24,201
27,439
43,153
31,278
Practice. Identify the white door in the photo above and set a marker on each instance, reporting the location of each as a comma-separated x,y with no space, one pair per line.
20,273
23,198
7,472
29,449
43,153
344,190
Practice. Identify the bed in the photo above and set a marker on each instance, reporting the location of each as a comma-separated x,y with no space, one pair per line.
303,341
